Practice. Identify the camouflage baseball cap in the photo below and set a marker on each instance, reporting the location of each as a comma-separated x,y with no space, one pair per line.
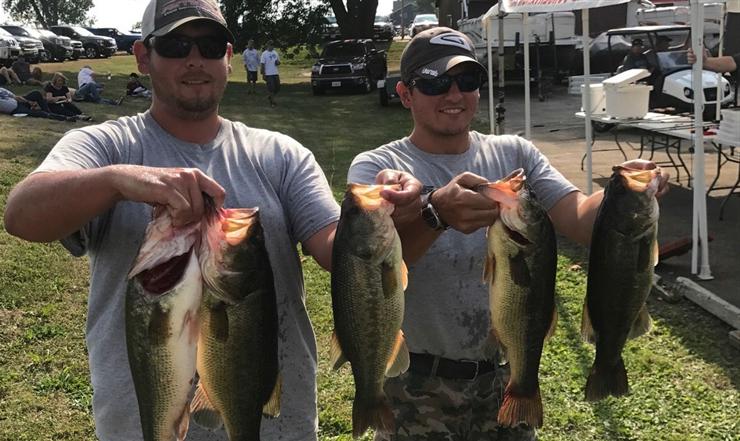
433,52
163,16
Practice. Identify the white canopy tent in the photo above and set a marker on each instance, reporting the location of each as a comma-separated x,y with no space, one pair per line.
699,230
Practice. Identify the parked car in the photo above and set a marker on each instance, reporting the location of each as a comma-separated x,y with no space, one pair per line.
387,89
348,64
56,48
124,40
32,49
9,48
331,28
423,22
382,28
78,49
95,45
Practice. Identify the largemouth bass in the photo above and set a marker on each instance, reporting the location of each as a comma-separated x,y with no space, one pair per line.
238,343
367,283
162,301
520,270
624,250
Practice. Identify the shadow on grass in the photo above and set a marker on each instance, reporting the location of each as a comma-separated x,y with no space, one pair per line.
700,332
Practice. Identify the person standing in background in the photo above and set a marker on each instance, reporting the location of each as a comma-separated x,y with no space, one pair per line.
269,61
251,58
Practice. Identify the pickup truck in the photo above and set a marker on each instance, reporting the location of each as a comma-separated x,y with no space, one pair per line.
9,48
95,45
124,41
348,64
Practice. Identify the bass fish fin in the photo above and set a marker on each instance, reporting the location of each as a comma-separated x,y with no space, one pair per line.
182,424
656,253
393,278
376,413
642,323
202,410
607,380
404,275
399,361
516,408
336,356
553,323
587,329
488,267
272,406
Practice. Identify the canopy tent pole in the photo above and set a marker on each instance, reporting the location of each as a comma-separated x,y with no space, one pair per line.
527,104
718,99
587,98
699,230
487,24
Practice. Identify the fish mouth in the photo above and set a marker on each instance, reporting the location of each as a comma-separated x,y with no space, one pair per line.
163,242
368,197
504,191
163,277
640,180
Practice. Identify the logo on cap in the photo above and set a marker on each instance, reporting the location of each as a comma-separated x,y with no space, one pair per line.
450,39
430,72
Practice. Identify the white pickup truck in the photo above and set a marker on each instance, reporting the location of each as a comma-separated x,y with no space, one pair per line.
9,48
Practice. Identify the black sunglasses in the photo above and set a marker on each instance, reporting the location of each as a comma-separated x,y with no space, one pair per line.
179,46
466,82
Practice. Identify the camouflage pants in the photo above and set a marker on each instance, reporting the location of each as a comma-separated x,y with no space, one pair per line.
434,408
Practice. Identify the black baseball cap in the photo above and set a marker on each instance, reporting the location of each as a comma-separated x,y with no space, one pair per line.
163,16
434,51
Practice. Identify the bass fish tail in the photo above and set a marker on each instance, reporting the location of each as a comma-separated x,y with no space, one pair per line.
517,408
375,413
607,380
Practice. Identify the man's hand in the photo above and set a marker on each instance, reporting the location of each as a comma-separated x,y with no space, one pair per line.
407,200
178,190
691,57
644,164
463,208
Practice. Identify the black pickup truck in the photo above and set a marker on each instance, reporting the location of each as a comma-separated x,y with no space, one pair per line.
348,64
95,45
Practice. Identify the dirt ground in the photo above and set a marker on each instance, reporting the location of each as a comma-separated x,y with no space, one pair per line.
561,136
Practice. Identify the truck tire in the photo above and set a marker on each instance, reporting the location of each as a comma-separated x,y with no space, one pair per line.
383,94
91,52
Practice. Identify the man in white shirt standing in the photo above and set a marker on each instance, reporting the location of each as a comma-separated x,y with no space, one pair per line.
251,58
268,66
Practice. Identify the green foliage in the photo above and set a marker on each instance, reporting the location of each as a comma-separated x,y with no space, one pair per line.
48,12
684,377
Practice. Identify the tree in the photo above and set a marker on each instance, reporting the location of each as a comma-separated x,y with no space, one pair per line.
48,12
288,23
356,20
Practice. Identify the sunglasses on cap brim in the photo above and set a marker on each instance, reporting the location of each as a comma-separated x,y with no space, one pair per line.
466,82
212,47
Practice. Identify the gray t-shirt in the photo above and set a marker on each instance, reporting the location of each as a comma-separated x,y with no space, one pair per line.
447,309
257,168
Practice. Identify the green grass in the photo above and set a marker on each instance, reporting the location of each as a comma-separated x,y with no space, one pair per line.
683,375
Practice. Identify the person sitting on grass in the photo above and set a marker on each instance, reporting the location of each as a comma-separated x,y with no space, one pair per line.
88,89
134,87
7,76
59,98
32,104
23,70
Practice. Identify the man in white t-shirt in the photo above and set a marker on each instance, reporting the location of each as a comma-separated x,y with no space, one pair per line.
269,61
251,58
89,90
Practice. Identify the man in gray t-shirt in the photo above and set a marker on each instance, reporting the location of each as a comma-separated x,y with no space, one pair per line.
452,389
100,184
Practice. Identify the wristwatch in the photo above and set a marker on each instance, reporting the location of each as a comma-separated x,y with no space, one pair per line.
429,213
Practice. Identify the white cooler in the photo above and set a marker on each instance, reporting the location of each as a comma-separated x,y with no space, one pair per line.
624,99
598,100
